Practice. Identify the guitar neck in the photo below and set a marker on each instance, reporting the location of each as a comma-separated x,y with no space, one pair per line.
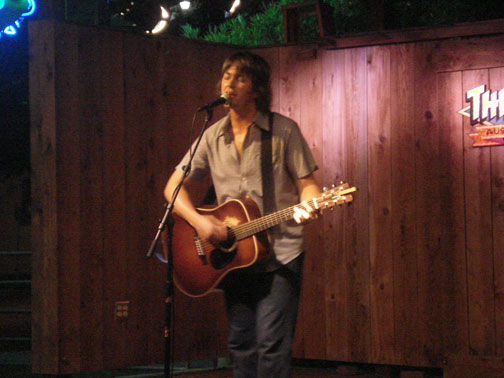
255,226
329,198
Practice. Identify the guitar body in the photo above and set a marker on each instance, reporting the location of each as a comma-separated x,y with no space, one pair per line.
198,266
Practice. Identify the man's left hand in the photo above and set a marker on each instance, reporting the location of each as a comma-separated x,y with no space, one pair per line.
304,213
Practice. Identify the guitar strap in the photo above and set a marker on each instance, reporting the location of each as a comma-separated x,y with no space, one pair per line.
268,184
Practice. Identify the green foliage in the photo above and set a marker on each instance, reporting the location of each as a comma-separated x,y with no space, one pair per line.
190,31
263,28
349,16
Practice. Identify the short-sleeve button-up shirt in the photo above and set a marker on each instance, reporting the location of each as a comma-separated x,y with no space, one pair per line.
236,176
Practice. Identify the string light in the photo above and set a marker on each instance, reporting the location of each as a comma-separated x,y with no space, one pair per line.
235,5
185,5
163,23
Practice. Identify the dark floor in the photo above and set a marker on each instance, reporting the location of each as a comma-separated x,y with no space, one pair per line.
18,366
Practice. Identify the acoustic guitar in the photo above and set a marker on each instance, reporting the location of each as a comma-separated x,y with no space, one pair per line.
199,266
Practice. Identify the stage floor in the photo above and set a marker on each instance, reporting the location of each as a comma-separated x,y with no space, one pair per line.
296,373
339,372
17,365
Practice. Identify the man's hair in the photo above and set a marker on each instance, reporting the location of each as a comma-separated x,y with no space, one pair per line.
258,70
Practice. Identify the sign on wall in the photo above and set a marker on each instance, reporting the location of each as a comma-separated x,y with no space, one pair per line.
486,113
12,13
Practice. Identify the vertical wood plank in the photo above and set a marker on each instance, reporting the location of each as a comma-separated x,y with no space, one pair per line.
43,136
497,174
309,87
346,230
272,56
403,203
154,320
293,72
379,132
333,262
115,273
356,215
140,106
427,209
453,297
91,189
480,277
288,97
69,196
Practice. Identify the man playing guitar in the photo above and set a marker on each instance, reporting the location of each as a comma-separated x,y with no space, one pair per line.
261,300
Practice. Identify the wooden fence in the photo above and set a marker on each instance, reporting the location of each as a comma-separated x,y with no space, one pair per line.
410,274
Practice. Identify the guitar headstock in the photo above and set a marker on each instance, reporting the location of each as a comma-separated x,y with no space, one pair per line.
336,195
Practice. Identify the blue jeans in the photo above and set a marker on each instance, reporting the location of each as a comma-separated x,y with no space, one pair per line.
262,310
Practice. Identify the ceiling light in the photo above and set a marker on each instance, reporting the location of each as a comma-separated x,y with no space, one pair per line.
185,5
235,5
163,22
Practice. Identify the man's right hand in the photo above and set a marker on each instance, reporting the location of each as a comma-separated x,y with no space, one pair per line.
211,229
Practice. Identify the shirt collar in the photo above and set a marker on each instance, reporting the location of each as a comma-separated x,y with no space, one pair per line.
261,120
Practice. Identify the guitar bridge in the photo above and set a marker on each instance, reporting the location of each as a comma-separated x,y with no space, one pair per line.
198,243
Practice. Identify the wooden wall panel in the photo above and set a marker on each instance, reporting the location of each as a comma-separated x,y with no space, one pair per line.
453,300
480,275
309,86
346,234
496,82
409,274
68,181
91,165
380,204
427,166
300,91
115,272
140,109
462,54
403,225
356,215
117,135
43,139
333,267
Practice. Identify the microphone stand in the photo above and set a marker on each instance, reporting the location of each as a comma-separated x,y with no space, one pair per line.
167,220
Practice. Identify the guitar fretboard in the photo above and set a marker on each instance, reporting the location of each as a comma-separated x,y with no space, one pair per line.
327,199
255,226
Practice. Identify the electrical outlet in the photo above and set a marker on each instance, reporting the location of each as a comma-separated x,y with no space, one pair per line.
121,309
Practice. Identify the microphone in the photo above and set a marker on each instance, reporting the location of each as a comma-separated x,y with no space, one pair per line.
225,98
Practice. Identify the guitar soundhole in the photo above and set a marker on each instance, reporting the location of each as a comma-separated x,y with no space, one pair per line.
229,244
219,258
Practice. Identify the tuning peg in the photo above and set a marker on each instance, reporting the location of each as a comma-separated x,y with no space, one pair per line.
324,189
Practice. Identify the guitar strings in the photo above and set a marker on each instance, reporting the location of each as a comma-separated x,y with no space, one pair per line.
255,226
260,224
245,230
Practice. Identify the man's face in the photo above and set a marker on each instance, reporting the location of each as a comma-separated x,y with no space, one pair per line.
238,86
